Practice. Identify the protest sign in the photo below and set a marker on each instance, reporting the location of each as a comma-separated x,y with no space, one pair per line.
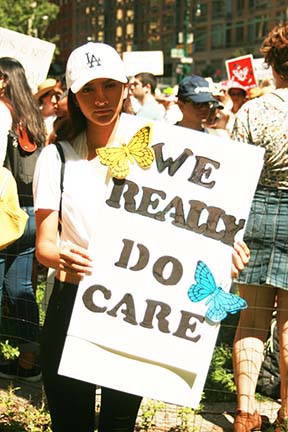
261,70
241,69
34,54
143,61
146,320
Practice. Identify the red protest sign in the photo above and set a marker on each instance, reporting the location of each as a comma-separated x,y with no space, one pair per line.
241,69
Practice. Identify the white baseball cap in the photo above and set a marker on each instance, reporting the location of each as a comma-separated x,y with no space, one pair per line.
93,60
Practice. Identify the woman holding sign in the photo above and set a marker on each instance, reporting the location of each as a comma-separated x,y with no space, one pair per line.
264,283
97,87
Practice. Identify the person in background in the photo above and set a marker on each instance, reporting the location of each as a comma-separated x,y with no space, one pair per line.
238,96
263,122
130,104
143,88
168,99
61,112
199,108
220,92
18,107
48,95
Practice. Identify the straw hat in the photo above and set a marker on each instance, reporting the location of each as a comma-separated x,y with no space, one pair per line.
46,86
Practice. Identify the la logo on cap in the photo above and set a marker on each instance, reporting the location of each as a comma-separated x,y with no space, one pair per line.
92,59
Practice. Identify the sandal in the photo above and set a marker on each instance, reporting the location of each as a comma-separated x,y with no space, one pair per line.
246,422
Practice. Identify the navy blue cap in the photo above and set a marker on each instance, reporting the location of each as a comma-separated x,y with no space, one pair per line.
196,89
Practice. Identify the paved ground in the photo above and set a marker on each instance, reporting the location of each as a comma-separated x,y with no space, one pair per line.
215,417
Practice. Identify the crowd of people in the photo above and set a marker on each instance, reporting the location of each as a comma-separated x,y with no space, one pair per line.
213,113
83,112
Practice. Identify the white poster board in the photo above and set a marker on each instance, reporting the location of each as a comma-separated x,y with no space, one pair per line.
262,72
34,54
143,61
133,321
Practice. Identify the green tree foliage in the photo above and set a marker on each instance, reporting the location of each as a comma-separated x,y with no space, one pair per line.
28,16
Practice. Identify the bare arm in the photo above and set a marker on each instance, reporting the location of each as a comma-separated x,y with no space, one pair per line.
71,261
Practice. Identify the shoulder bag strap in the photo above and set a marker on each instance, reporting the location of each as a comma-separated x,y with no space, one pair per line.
62,157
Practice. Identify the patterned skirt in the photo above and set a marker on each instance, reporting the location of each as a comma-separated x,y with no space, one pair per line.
266,235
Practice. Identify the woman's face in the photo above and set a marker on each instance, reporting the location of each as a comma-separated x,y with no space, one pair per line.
101,100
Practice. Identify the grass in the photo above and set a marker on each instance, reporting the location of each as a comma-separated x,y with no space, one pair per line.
19,415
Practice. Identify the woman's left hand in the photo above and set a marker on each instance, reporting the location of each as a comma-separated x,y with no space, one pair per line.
240,257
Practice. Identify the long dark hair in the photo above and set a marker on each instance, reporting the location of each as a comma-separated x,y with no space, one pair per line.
19,98
75,121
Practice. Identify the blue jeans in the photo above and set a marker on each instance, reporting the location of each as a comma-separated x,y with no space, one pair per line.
16,264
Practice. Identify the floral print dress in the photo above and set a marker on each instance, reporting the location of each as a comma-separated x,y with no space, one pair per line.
264,121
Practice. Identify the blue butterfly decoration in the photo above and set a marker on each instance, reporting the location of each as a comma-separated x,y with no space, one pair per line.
220,302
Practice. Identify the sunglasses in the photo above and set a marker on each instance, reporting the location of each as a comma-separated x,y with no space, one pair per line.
200,105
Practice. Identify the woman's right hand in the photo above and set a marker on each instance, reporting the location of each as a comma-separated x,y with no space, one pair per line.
75,259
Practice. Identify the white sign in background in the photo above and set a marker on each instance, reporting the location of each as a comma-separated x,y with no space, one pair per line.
163,353
34,54
262,71
143,61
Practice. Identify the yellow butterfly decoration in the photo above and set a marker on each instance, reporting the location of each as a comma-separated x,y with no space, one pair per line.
117,158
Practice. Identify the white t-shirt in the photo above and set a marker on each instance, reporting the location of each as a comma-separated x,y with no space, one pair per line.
49,123
85,186
5,125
